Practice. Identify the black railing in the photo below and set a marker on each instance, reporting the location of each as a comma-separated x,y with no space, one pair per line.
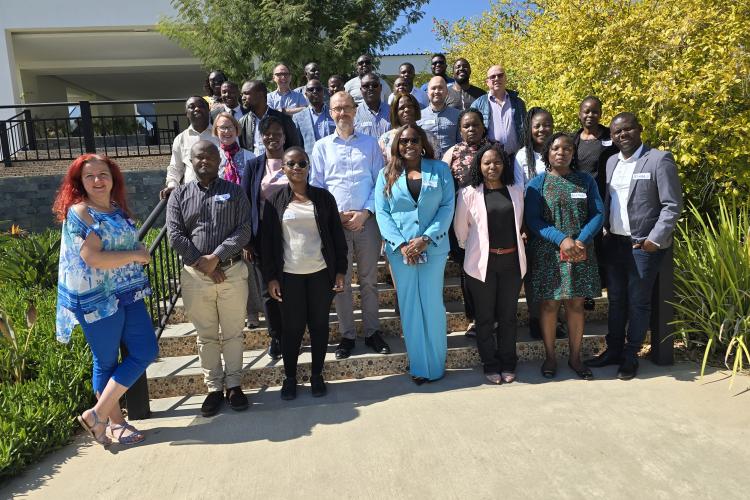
65,130
164,274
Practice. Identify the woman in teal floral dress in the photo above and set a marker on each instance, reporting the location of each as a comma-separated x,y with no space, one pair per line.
564,212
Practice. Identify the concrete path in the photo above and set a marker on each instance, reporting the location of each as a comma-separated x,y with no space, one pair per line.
664,435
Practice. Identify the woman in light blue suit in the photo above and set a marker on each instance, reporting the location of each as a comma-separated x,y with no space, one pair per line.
414,208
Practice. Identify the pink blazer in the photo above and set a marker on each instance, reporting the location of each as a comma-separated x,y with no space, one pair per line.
470,225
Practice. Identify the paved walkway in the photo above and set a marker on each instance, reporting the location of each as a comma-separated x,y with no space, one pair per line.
664,435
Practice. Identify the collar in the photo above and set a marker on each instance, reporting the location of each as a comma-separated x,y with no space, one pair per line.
432,108
279,92
494,99
191,130
322,110
350,138
633,158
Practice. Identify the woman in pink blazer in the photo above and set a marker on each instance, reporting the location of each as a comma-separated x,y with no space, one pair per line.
488,221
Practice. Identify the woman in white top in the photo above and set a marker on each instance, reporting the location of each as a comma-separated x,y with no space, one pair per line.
304,262
528,163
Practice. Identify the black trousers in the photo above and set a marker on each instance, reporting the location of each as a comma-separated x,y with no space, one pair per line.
496,301
306,302
271,308
457,255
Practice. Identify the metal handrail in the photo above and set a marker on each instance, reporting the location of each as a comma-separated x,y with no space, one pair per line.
164,275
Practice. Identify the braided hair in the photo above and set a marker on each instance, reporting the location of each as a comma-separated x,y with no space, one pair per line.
528,140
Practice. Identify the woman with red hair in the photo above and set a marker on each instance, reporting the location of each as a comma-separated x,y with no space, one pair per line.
101,286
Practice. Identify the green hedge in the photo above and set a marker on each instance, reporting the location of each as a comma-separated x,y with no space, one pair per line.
38,415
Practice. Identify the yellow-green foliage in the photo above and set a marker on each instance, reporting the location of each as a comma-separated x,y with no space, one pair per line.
683,66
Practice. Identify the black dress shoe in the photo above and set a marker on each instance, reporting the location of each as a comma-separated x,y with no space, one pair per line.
377,343
535,330
289,389
589,304
212,403
237,399
318,386
604,359
274,350
345,348
628,369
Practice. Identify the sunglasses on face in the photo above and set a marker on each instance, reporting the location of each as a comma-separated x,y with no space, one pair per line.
297,165
364,63
404,141
313,90
370,85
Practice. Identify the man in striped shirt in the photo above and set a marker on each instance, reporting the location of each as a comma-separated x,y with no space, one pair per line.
208,224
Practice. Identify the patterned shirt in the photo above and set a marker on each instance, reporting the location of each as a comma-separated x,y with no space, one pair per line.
372,124
96,293
444,125
208,220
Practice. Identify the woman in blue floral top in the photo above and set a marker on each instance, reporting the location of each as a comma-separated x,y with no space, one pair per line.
101,286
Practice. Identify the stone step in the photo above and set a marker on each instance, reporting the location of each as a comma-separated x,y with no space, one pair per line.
386,298
182,376
452,270
180,339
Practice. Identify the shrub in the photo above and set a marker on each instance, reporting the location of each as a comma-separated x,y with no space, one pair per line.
36,416
712,284
30,261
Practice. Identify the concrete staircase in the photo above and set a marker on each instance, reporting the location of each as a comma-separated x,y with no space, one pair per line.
177,372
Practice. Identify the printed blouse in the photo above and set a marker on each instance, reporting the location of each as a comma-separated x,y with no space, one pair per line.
96,293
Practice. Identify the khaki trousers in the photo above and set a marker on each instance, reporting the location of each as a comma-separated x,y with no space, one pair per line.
211,307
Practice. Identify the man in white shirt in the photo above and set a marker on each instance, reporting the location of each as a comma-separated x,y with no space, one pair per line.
354,86
405,84
643,201
196,109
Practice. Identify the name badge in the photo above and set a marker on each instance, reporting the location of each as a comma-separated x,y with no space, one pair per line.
428,122
365,124
607,143
288,215
221,197
431,183
644,176
578,196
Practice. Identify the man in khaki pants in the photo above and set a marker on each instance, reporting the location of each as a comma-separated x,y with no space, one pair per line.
208,223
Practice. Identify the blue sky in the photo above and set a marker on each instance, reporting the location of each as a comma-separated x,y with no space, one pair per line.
421,38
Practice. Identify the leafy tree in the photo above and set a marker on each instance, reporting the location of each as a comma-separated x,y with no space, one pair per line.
249,37
683,66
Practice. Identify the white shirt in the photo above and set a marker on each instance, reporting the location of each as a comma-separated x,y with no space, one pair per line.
302,244
619,192
179,163
521,165
236,112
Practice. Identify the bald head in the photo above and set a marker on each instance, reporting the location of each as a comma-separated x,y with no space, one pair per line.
496,81
437,92
204,156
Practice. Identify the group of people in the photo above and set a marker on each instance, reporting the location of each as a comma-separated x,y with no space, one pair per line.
272,197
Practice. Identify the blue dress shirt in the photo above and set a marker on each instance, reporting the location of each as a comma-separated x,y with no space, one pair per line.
444,125
372,124
348,169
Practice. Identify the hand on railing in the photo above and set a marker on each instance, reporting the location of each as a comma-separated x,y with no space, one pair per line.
164,193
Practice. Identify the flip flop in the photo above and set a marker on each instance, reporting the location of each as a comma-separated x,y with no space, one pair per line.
100,438
136,436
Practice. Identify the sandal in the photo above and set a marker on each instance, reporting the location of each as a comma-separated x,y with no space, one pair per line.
508,377
494,378
100,438
585,373
136,436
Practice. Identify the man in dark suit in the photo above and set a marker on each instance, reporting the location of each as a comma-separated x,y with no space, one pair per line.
230,96
253,95
314,122
642,204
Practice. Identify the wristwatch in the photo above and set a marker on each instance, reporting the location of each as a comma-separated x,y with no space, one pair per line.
426,239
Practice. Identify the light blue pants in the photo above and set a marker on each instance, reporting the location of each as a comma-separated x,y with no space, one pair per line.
420,299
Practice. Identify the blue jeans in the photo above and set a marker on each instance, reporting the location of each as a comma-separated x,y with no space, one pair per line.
631,274
130,325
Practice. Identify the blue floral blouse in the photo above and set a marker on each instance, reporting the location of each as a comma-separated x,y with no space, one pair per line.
96,293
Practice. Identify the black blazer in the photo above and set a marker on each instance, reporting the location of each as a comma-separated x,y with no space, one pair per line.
254,171
329,227
247,130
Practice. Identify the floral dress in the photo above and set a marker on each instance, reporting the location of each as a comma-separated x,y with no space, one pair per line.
96,293
567,204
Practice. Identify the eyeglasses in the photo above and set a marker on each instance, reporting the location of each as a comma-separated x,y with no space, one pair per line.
496,76
297,165
279,75
225,128
435,63
370,85
404,141
313,90
342,109
364,63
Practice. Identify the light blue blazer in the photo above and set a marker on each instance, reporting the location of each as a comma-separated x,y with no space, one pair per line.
401,219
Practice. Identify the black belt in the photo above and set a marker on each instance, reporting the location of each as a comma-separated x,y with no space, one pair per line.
231,261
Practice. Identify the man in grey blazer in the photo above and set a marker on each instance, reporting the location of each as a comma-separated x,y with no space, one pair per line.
642,204
314,122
